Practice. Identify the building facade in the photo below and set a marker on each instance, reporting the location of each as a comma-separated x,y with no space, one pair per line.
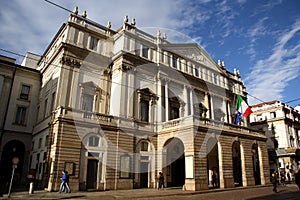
19,89
281,123
116,107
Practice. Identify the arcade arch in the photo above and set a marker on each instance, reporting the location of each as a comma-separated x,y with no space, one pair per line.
146,163
237,164
256,164
93,155
174,162
212,152
13,148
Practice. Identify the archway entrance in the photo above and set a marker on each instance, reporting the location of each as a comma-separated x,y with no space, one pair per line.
145,164
12,149
175,163
212,163
93,155
236,164
255,161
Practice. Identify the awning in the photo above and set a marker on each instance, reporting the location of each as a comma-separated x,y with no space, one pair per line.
291,150
281,152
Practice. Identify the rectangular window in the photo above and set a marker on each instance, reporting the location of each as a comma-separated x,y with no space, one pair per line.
174,113
93,43
144,146
145,111
20,116
87,105
76,33
45,108
53,101
37,113
174,59
124,166
273,114
46,140
45,156
87,102
25,92
40,142
196,72
145,52
216,77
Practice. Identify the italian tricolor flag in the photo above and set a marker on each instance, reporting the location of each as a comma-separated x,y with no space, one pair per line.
243,109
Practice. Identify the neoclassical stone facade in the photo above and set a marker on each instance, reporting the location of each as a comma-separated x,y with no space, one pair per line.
128,105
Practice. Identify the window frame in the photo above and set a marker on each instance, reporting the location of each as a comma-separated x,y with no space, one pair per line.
144,110
24,95
93,44
20,117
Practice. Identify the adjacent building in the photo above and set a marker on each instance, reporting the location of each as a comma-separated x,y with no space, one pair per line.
19,89
281,123
116,107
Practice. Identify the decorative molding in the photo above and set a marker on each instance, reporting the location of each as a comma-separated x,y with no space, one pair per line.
70,61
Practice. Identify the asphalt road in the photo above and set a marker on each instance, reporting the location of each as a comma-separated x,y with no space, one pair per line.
289,192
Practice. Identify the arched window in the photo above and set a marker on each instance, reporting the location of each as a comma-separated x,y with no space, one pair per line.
93,141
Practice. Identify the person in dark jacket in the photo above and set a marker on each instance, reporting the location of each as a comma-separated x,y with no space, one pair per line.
274,182
161,180
64,186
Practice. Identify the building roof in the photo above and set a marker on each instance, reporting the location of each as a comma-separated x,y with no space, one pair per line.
266,103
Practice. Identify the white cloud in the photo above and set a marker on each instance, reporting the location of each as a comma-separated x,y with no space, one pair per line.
254,33
30,25
269,77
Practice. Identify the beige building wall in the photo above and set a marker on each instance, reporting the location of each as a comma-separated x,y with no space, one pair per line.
118,107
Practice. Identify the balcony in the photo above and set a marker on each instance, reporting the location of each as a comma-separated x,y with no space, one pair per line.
206,124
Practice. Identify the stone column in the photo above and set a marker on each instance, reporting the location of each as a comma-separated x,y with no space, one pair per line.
243,163
130,93
186,99
224,108
191,101
228,113
159,103
167,100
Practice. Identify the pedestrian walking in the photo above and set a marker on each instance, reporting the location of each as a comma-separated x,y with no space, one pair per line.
64,186
214,180
282,178
297,179
274,182
289,177
161,181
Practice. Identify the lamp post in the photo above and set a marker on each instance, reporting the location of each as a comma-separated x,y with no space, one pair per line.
15,162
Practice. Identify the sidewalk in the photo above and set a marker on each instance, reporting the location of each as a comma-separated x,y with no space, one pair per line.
118,194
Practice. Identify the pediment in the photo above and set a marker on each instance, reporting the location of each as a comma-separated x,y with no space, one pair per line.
193,52
90,84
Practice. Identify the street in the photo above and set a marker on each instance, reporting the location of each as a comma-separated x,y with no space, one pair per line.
289,192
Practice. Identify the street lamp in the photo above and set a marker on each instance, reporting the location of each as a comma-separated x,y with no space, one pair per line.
15,162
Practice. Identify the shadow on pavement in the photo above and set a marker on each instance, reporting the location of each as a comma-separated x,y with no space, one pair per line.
283,194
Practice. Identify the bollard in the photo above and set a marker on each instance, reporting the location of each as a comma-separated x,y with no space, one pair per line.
31,188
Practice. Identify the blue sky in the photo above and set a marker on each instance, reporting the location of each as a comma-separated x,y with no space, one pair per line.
260,38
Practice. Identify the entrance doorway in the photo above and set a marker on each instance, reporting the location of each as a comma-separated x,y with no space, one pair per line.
11,150
175,163
93,155
144,174
236,164
212,163
91,177
256,168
